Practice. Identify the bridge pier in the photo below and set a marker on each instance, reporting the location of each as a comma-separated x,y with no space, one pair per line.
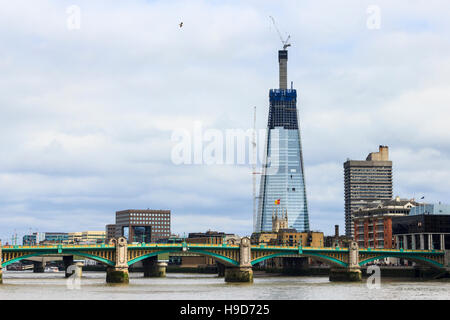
239,274
68,261
352,273
119,273
220,269
154,268
39,266
244,272
345,275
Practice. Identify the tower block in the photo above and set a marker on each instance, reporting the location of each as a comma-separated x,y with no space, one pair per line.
282,178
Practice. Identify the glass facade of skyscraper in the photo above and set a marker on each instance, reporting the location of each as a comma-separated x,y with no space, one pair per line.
282,181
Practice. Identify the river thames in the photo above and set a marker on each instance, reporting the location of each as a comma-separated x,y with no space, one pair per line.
92,286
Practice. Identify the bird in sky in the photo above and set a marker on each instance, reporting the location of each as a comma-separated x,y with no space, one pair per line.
181,24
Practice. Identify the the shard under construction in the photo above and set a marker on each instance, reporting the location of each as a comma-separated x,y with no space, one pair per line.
282,181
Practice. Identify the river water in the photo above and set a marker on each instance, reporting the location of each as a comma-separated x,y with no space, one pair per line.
29,285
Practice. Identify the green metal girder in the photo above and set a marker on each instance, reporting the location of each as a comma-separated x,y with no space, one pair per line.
305,254
55,251
148,255
177,249
4,264
87,255
410,257
205,250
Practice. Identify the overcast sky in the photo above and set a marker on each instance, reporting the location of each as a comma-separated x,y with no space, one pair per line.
86,115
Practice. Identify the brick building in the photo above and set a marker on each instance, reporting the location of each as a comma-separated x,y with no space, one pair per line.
373,224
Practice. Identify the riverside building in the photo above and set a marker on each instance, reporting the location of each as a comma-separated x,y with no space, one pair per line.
373,224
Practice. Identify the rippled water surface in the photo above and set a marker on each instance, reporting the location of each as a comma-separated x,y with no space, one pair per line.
28,285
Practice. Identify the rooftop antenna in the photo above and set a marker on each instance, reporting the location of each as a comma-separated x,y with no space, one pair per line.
284,42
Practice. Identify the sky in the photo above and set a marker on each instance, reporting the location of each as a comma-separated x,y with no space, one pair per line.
90,99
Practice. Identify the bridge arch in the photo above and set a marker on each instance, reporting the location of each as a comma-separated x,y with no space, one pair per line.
328,260
222,259
418,259
53,254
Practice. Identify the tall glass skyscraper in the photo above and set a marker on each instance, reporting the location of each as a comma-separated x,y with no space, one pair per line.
282,180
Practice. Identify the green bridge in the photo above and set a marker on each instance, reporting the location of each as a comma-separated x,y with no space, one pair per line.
237,259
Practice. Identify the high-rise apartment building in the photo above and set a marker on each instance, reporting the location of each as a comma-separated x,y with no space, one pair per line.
282,181
365,182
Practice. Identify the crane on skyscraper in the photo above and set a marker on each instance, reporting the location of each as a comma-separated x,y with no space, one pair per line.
284,42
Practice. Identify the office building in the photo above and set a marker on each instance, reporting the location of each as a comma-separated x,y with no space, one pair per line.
282,181
54,237
430,208
29,240
93,236
110,232
365,182
143,225
422,232
74,237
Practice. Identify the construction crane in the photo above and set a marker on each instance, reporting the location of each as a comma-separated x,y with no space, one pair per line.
284,42
14,238
254,173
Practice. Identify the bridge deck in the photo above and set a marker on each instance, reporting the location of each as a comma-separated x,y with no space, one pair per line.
141,246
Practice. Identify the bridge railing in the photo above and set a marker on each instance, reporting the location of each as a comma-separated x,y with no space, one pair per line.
56,246
203,245
401,250
263,246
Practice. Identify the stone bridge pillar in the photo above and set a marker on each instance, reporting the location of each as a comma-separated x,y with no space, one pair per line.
154,268
68,261
39,266
243,273
353,270
220,269
1,261
119,273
